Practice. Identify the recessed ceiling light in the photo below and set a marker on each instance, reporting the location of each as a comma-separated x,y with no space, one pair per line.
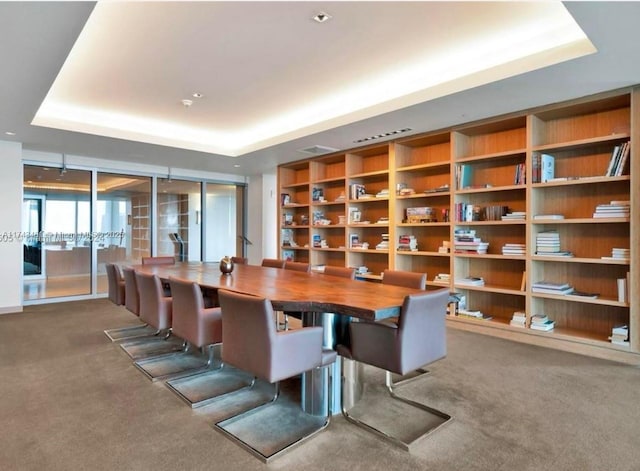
187,103
322,17
10,133
236,165
384,134
197,95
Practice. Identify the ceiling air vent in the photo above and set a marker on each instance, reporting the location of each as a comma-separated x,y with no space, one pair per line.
385,134
317,150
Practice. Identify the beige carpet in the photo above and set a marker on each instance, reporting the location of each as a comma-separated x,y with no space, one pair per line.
72,400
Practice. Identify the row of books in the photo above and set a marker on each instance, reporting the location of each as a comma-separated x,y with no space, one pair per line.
618,160
466,212
521,174
543,168
614,209
407,242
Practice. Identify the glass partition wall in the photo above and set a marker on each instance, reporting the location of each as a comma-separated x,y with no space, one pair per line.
71,230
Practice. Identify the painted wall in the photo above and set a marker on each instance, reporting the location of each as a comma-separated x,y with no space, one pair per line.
10,227
262,211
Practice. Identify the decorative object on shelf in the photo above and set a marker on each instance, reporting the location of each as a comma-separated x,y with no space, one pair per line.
226,265
285,199
318,195
419,215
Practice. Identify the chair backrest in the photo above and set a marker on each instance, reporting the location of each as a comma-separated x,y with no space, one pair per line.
131,298
239,260
248,332
297,266
272,262
422,335
188,320
252,344
164,260
408,279
155,308
116,284
343,272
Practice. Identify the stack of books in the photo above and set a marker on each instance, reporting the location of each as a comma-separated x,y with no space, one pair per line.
615,209
619,254
514,249
472,313
384,245
443,278
519,319
384,193
470,281
549,287
445,247
407,243
465,241
548,245
515,216
541,322
620,335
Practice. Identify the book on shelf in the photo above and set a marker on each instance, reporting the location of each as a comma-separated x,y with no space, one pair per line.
548,216
620,329
514,215
463,175
622,161
519,319
621,284
546,287
470,281
543,327
520,174
317,194
288,255
547,167
584,294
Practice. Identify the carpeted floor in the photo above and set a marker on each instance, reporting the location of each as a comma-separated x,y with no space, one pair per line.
72,400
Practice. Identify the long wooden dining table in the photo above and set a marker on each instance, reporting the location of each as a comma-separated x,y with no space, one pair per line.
329,299
294,291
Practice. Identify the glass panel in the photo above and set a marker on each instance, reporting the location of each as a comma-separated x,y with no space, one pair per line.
123,220
222,224
179,219
65,237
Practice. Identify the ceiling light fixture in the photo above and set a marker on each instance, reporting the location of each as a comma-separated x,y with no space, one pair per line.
197,95
322,17
236,165
386,134
187,103
10,133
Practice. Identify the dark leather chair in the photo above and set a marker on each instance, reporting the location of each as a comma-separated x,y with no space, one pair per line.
303,268
155,309
419,338
116,284
252,343
119,294
408,279
197,326
342,272
273,262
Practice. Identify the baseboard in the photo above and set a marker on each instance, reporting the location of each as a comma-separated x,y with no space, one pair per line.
10,310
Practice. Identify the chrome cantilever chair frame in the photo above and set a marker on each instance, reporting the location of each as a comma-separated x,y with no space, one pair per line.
265,334
439,299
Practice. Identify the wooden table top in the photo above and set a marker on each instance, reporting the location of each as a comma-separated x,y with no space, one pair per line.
294,291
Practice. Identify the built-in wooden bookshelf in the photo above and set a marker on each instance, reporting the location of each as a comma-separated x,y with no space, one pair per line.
426,189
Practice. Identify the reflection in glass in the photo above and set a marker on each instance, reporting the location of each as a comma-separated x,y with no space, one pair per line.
179,206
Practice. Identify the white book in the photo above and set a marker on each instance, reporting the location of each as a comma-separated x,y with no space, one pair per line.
547,167
622,290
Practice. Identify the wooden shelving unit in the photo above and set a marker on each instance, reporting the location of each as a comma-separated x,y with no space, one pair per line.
490,164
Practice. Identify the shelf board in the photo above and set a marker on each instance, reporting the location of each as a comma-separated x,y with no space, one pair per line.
386,224
491,289
370,174
327,203
329,180
411,168
295,185
424,195
598,261
577,144
491,189
581,181
297,226
581,221
328,249
295,205
492,223
493,156
369,200
328,226
489,256
580,299
423,224
288,247
422,253
381,252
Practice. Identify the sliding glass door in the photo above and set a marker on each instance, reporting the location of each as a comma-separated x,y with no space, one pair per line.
57,232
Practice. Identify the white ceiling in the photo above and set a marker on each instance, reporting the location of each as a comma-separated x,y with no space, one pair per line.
256,61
